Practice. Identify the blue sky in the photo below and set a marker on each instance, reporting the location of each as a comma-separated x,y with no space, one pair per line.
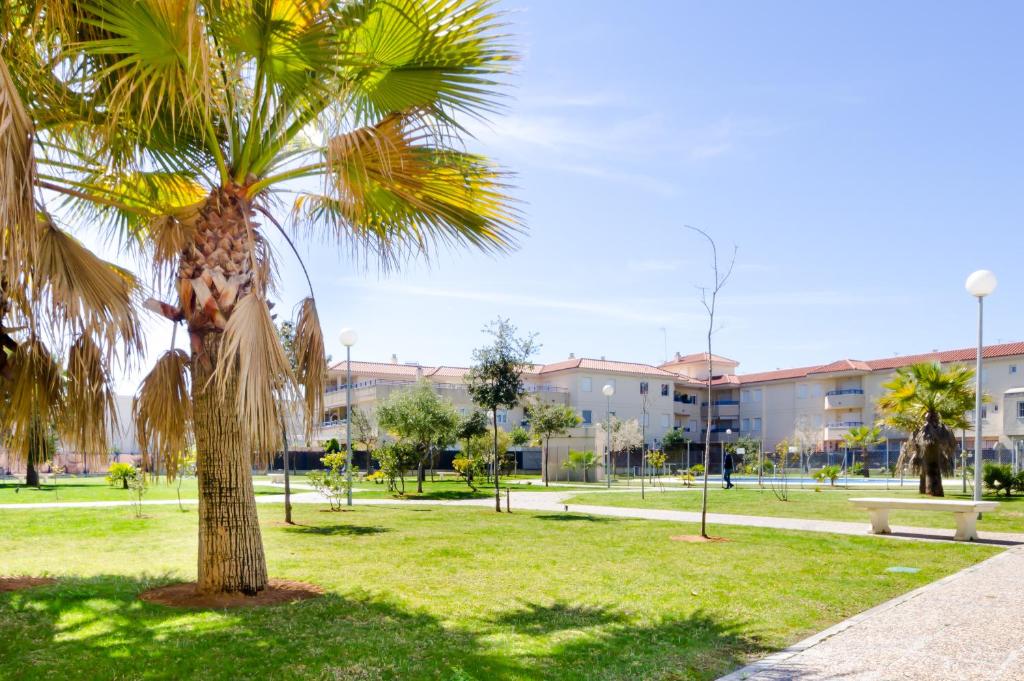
864,157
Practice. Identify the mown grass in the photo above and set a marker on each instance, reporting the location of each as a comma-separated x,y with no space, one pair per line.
826,504
439,593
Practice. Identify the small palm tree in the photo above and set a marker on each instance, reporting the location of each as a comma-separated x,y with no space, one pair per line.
579,460
184,127
928,403
862,438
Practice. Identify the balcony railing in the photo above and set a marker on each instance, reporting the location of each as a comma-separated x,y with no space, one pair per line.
722,403
685,399
845,424
845,391
439,386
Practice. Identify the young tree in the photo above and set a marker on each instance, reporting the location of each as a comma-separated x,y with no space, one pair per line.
482,449
519,437
677,441
862,438
709,299
364,434
394,459
182,125
626,435
548,420
496,379
929,403
470,426
422,418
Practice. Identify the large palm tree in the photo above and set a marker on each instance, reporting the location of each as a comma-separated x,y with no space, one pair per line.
187,125
928,403
862,438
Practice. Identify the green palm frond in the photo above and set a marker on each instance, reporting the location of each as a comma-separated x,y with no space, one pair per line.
925,390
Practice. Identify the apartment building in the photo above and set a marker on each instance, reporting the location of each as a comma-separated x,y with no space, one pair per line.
814,405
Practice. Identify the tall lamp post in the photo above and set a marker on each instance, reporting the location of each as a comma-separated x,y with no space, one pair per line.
348,339
608,391
979,284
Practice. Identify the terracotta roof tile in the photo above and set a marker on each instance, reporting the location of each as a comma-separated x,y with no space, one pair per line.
698,357
383,368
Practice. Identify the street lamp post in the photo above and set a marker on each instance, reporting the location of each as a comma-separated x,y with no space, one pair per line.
608,391
979,284
348,339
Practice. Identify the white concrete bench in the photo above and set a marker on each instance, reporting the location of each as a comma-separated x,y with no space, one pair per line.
965,512
277,478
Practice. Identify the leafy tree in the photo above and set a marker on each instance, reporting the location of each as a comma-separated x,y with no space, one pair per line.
482,448
929,403
548,420
394,460
656,459
333,481
862,438
364,434
422,418
626,434
581,461
182,125
496,379
674,440
121,473
470,426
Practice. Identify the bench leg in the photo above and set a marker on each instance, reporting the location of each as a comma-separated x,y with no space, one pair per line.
880,521
966,526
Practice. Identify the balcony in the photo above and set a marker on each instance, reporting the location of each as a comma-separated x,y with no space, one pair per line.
849,398
329,429
721,409
837,429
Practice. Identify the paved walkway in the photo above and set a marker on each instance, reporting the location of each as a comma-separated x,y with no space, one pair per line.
964,627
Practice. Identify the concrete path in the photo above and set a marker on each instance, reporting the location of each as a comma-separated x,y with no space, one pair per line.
964,627
554,502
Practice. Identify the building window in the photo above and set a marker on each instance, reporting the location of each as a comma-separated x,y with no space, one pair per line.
756,394
664,389
1020,409
744,396
586,384
665,419
1013,368
816,391
587,416
643,387
757,425
745,426
801,391
502,417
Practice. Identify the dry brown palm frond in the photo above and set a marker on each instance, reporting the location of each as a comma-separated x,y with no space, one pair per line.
310,362
253,372
35,396
162,411
87,292
89,408
17,176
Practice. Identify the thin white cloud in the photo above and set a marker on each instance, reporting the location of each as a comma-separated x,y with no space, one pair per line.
609,310
638,180
647,265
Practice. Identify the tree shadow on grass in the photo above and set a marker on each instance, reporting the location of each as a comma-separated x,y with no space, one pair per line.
98,628
545,619
571,517
334,530
444,495
696,646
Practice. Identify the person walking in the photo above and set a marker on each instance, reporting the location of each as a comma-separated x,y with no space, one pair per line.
727,471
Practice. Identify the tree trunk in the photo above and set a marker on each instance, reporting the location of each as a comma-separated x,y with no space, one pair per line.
231,555
124,483
420,475
31,476
497,464
544,465
287,475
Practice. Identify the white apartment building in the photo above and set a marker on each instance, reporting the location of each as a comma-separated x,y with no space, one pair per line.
813,405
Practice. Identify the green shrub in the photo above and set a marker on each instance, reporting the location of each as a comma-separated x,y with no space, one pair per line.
333,481
697,470
830,473
999,477
122,473
855,468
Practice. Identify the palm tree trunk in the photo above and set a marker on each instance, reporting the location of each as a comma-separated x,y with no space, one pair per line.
231,557
287,474
31,475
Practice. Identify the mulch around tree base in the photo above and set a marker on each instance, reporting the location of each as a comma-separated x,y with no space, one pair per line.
696,538
19,583
184,595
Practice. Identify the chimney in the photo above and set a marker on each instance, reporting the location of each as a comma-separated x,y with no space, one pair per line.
394,359
602,358
572,355
678,356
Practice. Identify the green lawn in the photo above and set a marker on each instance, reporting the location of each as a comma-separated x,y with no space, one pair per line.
824,505
98,489
440,593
